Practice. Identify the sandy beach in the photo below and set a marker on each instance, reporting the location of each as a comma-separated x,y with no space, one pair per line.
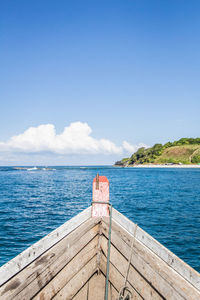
165,166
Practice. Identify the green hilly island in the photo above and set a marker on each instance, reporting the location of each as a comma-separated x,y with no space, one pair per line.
183,151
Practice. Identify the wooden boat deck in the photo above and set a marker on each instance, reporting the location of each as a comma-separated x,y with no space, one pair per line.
71,262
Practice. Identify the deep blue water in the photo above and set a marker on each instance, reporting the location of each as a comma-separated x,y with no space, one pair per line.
164,202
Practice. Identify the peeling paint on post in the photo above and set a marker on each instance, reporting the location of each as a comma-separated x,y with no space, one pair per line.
100,194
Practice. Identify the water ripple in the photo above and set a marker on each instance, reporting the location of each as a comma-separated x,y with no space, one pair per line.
165,203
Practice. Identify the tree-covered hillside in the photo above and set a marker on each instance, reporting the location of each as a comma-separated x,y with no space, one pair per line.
185,151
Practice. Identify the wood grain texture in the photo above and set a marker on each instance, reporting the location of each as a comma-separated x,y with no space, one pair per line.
112,292
117,279
171,259
96,287
134,278
29,255
66,275
82,293
64,264
43,269
77,281
160,275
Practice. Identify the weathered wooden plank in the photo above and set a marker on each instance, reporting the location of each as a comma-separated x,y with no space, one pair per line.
26,257
42,270
159,274
116,278
112,292
135,279
69,271
82,294
77,281
96,287
171,259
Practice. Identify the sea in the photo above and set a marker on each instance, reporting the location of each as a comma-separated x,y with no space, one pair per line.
164,202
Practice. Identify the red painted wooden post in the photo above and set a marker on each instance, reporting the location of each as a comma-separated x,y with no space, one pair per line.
100,194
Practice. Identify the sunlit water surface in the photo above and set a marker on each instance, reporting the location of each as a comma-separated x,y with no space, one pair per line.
164,202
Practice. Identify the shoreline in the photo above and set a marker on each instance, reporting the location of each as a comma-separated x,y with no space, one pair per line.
165,166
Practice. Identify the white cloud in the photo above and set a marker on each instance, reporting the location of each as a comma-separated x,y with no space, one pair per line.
128,147
75,139
132,148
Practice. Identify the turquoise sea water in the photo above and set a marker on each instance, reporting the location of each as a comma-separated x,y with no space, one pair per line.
164,202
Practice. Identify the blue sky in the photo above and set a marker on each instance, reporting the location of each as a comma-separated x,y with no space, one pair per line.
129,70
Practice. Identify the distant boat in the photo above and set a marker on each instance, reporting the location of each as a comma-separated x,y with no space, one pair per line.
99,254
